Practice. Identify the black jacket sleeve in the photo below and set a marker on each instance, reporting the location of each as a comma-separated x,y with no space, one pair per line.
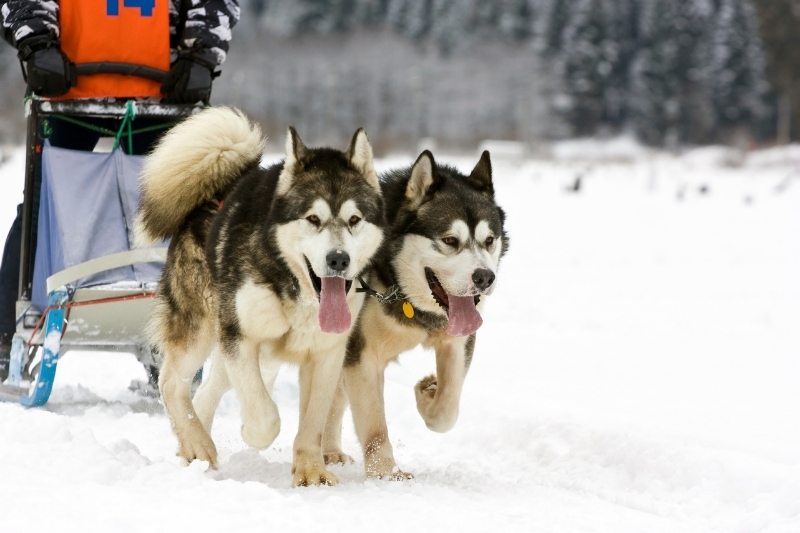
22,19
207,28
202,26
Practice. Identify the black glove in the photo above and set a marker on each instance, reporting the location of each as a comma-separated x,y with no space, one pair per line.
188,81
48,71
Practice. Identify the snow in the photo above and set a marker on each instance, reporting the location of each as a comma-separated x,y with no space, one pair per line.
637,370
623,148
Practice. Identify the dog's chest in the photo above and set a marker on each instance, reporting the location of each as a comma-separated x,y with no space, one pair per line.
304,336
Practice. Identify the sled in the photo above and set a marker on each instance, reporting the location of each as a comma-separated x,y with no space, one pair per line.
83,284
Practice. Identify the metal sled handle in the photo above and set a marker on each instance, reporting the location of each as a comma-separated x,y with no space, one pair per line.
107,262
128,69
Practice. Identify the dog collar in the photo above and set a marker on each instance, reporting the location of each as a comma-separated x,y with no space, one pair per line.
391,295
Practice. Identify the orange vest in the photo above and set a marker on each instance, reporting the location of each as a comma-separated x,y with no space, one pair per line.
119,31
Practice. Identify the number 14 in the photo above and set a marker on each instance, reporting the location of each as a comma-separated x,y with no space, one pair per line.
145,7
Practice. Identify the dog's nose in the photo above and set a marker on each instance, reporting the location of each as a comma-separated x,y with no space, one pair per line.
483,278
338,260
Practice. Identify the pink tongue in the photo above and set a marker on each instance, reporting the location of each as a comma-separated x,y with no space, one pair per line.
462,317
334,315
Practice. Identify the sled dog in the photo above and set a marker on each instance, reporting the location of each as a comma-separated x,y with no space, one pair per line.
445,238
260,266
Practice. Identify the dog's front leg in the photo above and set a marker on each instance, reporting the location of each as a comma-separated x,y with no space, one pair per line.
364,383
260,418
438,396
319,378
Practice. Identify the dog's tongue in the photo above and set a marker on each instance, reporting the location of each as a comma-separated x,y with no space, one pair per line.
334,315
462,317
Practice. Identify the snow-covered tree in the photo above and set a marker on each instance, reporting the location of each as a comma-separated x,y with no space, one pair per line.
670,76
557,20
516,20
738,78
779,21
589,58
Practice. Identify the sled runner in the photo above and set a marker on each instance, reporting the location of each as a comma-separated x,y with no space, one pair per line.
83,285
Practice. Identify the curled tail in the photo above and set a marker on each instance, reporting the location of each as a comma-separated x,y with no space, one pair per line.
192,164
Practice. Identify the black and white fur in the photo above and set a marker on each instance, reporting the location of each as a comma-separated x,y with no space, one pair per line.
445,240
243,280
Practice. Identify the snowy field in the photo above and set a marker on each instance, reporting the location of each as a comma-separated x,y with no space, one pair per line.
638,370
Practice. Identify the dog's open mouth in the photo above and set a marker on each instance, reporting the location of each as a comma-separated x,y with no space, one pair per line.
334,314
462,315
316,281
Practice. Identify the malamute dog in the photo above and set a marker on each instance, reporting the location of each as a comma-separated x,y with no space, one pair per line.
444,242
261,263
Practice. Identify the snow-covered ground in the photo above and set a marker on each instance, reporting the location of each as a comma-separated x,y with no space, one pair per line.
638,370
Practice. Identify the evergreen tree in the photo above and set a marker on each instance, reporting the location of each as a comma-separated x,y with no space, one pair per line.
517,20
398,15
624,27
420,19
738,66
557,21
779,21
589,59
450,20
371,12
670,75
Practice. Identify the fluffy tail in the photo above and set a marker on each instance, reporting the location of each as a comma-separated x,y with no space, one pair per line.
192,164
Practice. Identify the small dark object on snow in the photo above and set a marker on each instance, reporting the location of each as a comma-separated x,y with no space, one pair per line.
576,185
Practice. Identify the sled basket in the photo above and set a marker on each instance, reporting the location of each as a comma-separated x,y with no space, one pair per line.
83,283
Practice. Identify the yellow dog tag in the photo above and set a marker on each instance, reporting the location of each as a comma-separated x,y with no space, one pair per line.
408,310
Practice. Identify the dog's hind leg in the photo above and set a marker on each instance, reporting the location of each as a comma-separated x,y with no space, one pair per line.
332,437
438,396
319,378
215,384
181,362
260,419
269,367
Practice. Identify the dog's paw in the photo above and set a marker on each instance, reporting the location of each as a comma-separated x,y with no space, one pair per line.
425,393
337,457
379,465
312,474
426,388
399,475
197,447
438,416
390,474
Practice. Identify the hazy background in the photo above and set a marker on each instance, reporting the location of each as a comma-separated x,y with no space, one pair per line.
671,72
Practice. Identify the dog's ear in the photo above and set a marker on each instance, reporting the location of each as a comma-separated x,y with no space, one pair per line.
360,156
296,151
423,177
481,176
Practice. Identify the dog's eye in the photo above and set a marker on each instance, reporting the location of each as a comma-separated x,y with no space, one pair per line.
354,220
450,241
489,241
313,219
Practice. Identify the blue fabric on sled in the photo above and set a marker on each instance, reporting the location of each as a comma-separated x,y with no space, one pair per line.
87,208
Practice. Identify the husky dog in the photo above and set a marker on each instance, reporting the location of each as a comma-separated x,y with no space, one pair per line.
444,242
260,265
